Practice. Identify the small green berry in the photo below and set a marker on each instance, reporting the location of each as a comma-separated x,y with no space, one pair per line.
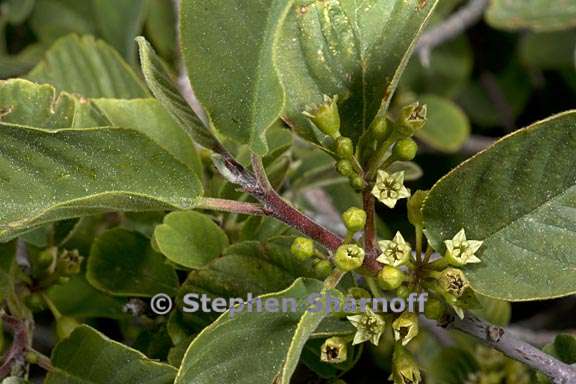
302,248
390,277
345,168
380,129
344,147
65,326
354,219
434,309
357,182
326,116
323,268
405,149
349,257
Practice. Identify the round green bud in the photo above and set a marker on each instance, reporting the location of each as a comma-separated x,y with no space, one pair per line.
359,293
403,291
434,309
380,129
357,182
390,277
354,219
405,149
31,357
35,302
323,268
65,326
302,248
345,168
415,207
349,257
326,116
344,147
47,257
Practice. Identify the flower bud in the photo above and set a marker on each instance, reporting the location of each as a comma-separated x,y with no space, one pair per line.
345,168
65,326
403,291
405,149
359,293
326,116
349,257
344,148
334,350
35,302
380,129
31,357
390,278
354,219
47,257
302,248
405,327
369,326
434,309
395,252
404,368
323,268
415,208
412,118
357,182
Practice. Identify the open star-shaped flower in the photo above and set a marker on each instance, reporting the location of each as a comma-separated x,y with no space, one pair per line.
405,327
369,326
460,251
389,188
395,252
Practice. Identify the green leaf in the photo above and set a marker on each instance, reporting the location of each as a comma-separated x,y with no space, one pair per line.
494,311
88,67
149,117
519,197
548,51
79,299
190,239
161,27
266,335
122,263
48,176
244,96
88,357
564,348
17,11
164,88
116,22
350,48
537,15
447,127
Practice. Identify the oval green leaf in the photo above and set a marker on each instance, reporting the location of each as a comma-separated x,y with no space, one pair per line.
519,197
537,15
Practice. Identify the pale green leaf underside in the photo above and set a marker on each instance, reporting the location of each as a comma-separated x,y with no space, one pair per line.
140,271
88,67
447,127
243,96
519,197
190,239
53,175
265,335
352,48
537,15
88,357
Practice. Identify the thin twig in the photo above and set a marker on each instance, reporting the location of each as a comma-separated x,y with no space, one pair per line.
453,26
503,340
20,344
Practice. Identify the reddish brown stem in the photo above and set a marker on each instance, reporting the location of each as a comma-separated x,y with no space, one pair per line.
232,206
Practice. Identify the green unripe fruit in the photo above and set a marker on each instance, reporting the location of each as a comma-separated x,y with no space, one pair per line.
405,149
65,326
323,268
345,168
357,182
326,116
354,219
302,248
434,309
344,148
390,278
415,208
35,302
349,257
380,129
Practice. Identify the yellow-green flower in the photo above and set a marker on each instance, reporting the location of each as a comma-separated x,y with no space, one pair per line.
389,188
404,368
369,326
334,350
405,327
460,251
395,252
